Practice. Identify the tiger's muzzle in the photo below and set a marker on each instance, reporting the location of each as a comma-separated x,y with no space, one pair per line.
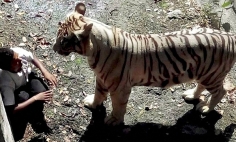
66,45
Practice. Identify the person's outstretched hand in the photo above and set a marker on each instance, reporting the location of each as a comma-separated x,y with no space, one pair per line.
44,96
51,78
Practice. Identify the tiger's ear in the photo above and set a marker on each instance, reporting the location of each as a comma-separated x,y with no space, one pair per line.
80,8
87,29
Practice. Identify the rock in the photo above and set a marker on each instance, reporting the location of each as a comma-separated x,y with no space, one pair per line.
156,9
60,70
16,7
22,44
72,57
24,39
223,100
175,14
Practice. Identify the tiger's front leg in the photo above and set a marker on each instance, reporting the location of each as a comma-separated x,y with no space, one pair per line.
94,100
119,102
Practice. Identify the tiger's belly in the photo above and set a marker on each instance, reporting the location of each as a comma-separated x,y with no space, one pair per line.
158,80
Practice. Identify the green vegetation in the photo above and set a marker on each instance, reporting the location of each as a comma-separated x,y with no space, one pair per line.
163,4
227,3
79,61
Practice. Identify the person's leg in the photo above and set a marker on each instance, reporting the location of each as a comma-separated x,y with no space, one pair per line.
19,120
18,125
34,86
37,120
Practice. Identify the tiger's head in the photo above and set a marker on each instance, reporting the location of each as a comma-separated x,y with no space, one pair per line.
73,33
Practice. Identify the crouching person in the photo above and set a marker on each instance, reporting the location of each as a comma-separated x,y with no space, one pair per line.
23,92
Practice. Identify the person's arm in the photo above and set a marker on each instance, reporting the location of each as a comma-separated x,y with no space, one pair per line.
24,104
9,99
27,55
44,71
43,96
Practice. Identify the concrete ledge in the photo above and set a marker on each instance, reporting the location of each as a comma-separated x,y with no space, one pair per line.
5,132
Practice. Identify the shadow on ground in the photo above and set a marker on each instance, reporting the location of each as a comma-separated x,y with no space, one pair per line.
38,138
191,127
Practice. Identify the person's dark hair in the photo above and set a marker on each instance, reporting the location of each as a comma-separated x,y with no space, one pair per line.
6,56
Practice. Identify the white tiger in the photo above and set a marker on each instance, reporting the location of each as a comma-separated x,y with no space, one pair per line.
121,60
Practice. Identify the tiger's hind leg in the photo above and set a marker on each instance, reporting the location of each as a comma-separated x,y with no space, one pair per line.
193,94
95,100
217,93
119,102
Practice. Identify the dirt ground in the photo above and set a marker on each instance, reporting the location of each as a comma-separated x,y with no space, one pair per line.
153,114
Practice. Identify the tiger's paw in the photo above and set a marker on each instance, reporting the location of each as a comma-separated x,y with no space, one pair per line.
89,102
203,108
189,97
114,121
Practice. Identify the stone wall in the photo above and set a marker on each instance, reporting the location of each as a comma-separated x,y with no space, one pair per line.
5,132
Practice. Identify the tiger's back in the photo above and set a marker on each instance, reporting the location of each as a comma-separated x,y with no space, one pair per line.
165,60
